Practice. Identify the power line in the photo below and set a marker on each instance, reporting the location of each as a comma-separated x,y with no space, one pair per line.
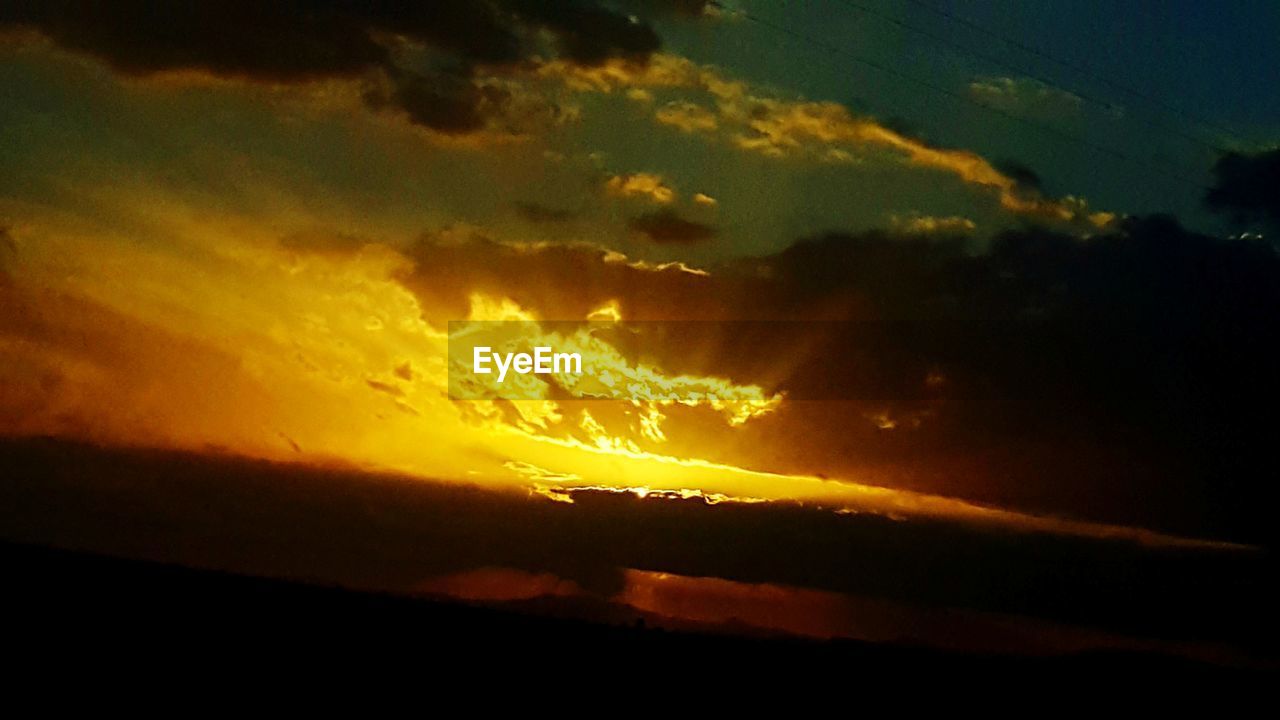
1010,67
1073,66
1171,173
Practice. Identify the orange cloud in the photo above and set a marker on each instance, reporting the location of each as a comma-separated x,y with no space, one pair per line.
688,116
643,185
277,353
826,131
928,224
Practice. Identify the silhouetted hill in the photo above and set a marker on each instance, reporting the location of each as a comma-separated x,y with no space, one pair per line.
84,609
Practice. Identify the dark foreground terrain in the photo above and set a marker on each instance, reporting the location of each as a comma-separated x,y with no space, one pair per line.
239,566
64,610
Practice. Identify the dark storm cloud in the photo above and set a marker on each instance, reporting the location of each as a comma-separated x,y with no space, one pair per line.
665,227
297,40
538,213
271,41
1128,377
562,281
1135,370
1026,178
1247,187
588,34
445,101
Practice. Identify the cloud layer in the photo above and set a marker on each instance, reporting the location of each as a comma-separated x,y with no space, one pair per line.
1047,372
425,55
1247,187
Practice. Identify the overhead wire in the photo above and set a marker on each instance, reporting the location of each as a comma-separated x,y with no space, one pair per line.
1021,71
1059,133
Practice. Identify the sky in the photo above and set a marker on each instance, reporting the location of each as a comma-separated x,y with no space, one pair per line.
1004,266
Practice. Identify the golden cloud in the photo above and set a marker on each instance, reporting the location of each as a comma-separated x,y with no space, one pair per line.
821,130
928,224
643,185
689,117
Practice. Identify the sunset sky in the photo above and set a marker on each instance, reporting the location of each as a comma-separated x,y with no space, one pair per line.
1038,236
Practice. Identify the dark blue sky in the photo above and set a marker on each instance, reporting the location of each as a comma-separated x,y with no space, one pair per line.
1163,85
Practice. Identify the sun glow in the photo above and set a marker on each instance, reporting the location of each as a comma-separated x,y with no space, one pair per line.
327,357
